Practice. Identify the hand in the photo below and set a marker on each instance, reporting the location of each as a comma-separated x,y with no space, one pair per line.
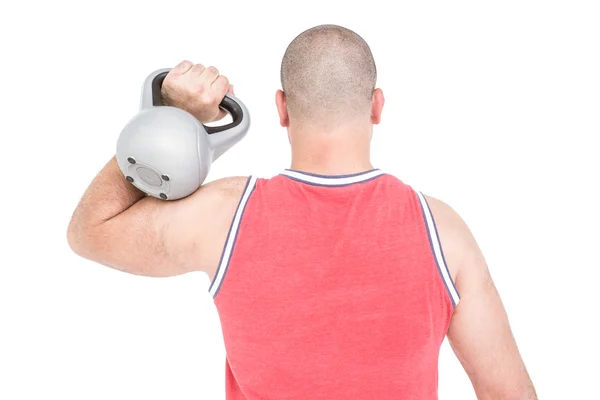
197,90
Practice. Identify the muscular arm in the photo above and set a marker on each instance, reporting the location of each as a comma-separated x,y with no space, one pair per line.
479,332
116,225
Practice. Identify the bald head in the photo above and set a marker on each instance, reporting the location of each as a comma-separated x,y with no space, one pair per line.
328,74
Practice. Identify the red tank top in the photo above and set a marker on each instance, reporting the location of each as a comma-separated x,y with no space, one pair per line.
332,287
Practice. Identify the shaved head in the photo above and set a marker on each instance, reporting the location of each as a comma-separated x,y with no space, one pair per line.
328,74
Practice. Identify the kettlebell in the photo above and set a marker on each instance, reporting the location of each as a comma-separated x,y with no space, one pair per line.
165,151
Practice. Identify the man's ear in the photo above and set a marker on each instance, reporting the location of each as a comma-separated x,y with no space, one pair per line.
377,106
284,118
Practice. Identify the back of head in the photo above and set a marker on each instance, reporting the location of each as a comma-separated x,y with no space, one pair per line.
328,76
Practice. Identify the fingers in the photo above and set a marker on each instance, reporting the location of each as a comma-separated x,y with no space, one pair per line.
197,70
206,75
221,86
183,67
209,75
197,89
222,114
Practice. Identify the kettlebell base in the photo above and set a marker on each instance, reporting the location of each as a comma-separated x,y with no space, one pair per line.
148,179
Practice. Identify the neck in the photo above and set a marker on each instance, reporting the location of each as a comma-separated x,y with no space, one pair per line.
340,152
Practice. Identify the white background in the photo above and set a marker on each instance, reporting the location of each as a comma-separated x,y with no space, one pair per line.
490,106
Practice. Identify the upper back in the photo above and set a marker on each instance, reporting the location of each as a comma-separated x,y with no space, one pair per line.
327,277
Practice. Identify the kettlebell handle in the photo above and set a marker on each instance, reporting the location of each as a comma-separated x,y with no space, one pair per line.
151,97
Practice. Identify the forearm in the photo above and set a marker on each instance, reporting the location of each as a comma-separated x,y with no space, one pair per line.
108,195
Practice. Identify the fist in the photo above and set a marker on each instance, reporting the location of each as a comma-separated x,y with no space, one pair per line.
197,90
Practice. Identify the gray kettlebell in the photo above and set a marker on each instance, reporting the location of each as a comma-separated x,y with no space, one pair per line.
166,152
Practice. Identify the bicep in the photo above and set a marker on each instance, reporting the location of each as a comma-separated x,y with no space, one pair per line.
165,238
151,238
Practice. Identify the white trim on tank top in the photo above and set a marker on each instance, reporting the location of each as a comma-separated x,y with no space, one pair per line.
438,254
231,237
332,180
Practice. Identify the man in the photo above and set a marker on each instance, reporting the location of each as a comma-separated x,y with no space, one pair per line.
333,280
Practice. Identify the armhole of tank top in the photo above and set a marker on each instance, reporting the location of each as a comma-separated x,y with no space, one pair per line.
217,281
436,248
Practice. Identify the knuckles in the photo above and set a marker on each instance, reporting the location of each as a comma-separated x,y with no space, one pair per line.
211,70
192,88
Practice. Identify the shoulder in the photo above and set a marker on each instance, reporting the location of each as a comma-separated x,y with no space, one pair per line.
231,185
212,205
228,189
216,201
445,216
457,241
207,218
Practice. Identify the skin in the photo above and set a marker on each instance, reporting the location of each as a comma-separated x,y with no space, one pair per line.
117,225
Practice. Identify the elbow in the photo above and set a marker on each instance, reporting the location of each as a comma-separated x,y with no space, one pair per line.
80,240
74,238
